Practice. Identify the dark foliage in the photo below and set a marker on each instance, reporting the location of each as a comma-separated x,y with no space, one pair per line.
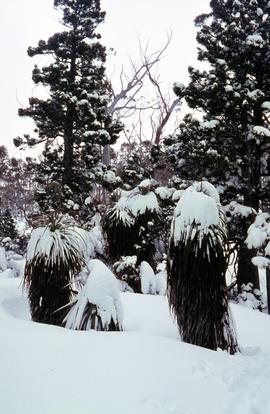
7,225
229,148
91,320
121,237
49,290
130,234
197,292
73,123
49,277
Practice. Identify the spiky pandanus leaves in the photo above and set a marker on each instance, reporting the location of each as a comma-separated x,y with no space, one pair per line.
118,226
196,285
88,318
131,224
54,257
98,305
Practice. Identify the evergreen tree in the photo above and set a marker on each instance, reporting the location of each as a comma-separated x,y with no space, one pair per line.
7,224
230,147
134,163
73,123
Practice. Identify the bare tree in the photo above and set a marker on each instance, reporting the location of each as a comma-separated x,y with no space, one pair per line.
127,102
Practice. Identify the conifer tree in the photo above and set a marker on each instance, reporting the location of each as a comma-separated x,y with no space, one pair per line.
230,146
73,122
7,223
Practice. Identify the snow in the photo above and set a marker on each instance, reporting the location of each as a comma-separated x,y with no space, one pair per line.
259,130
194,207
57,243
109,177
177,195
210,124
17,266
179,85
256,237
221,62
208,189
145,369
88,200
148,279
126,261
139,203
260,261
3,259
237,209
122,212
266,105
254,40
267,249
161,282
255,94
250,298
164,193
101,289
147,183
228,88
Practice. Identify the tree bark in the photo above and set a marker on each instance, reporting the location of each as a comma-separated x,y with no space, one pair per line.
247,272
68,151
106,156
69,121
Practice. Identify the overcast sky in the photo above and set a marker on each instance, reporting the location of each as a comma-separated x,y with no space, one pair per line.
24,22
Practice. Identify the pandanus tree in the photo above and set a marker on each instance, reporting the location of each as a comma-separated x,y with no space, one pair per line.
133,224
196,285
54,259
98,304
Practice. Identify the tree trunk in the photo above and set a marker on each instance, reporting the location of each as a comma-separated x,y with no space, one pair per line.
247,272
106,156
68,159
68,149
69,120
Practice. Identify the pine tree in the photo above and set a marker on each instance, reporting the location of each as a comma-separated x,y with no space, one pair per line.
230,147
8,228
73,123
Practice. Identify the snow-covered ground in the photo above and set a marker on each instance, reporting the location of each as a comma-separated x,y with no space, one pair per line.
143,370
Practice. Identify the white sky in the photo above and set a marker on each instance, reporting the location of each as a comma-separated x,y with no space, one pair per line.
24,22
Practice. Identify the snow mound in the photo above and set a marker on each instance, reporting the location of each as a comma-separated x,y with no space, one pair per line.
194,208
148,279
102,290
68,371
